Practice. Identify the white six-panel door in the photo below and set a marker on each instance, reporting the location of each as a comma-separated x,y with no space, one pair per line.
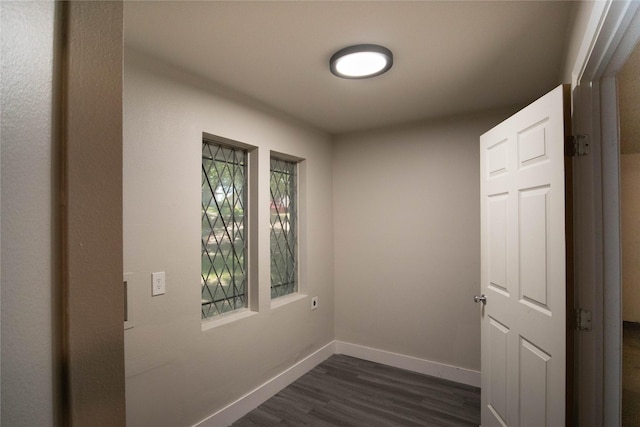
523,267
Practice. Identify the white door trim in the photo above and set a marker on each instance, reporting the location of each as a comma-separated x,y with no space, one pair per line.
614,30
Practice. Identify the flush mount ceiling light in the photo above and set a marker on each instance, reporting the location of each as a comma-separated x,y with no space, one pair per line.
361,61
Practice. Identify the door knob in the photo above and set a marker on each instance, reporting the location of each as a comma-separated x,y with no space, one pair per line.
482,298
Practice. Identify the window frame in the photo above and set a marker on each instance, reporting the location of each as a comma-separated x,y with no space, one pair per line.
250,171
293,202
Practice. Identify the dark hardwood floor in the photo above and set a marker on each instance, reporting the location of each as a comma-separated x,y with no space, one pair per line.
631,375
345,391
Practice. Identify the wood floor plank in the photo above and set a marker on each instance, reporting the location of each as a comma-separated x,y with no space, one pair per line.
631,374
345,391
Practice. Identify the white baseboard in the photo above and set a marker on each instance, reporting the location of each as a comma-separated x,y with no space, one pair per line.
422,366
236,410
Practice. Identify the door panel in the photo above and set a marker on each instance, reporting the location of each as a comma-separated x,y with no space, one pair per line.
534,371
498,381
523,267
532,228
498,243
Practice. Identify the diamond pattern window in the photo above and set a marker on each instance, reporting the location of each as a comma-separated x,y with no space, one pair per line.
284,260
224,231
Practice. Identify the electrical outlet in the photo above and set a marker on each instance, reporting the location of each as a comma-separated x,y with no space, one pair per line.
314,303
157,284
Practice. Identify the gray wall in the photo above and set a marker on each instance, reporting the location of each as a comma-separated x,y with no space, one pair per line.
407,238
28,262
395,210
200,371
630,232
578,31
629,110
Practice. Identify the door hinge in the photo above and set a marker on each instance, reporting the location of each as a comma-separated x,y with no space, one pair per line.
583,319
577,145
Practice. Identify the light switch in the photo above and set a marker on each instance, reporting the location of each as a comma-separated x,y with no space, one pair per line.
157,284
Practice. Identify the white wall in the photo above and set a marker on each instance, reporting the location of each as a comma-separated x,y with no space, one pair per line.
28,257
178,374
629,110
407,238
630,223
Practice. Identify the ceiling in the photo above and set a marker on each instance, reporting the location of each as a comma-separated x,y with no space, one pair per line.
450,57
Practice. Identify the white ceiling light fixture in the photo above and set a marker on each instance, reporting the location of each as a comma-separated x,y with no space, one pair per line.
361,61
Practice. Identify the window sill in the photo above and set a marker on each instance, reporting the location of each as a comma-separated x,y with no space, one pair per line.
287,299
227,318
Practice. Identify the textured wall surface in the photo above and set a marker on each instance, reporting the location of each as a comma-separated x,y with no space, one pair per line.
629,110
28,266
630,223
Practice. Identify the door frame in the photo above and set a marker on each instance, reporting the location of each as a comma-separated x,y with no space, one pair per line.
612,33
92,371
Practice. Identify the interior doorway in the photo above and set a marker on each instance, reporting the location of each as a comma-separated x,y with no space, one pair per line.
628,82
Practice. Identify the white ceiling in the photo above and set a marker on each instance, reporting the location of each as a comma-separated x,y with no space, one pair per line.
449,57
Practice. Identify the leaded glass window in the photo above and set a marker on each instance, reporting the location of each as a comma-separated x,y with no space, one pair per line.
284,260
224,231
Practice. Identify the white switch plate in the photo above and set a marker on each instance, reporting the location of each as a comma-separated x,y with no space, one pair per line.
157,284
314,303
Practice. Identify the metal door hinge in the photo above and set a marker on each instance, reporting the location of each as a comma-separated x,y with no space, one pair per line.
577,145
583,319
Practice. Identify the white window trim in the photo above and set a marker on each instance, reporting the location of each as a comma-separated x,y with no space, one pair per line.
226,318
287,299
